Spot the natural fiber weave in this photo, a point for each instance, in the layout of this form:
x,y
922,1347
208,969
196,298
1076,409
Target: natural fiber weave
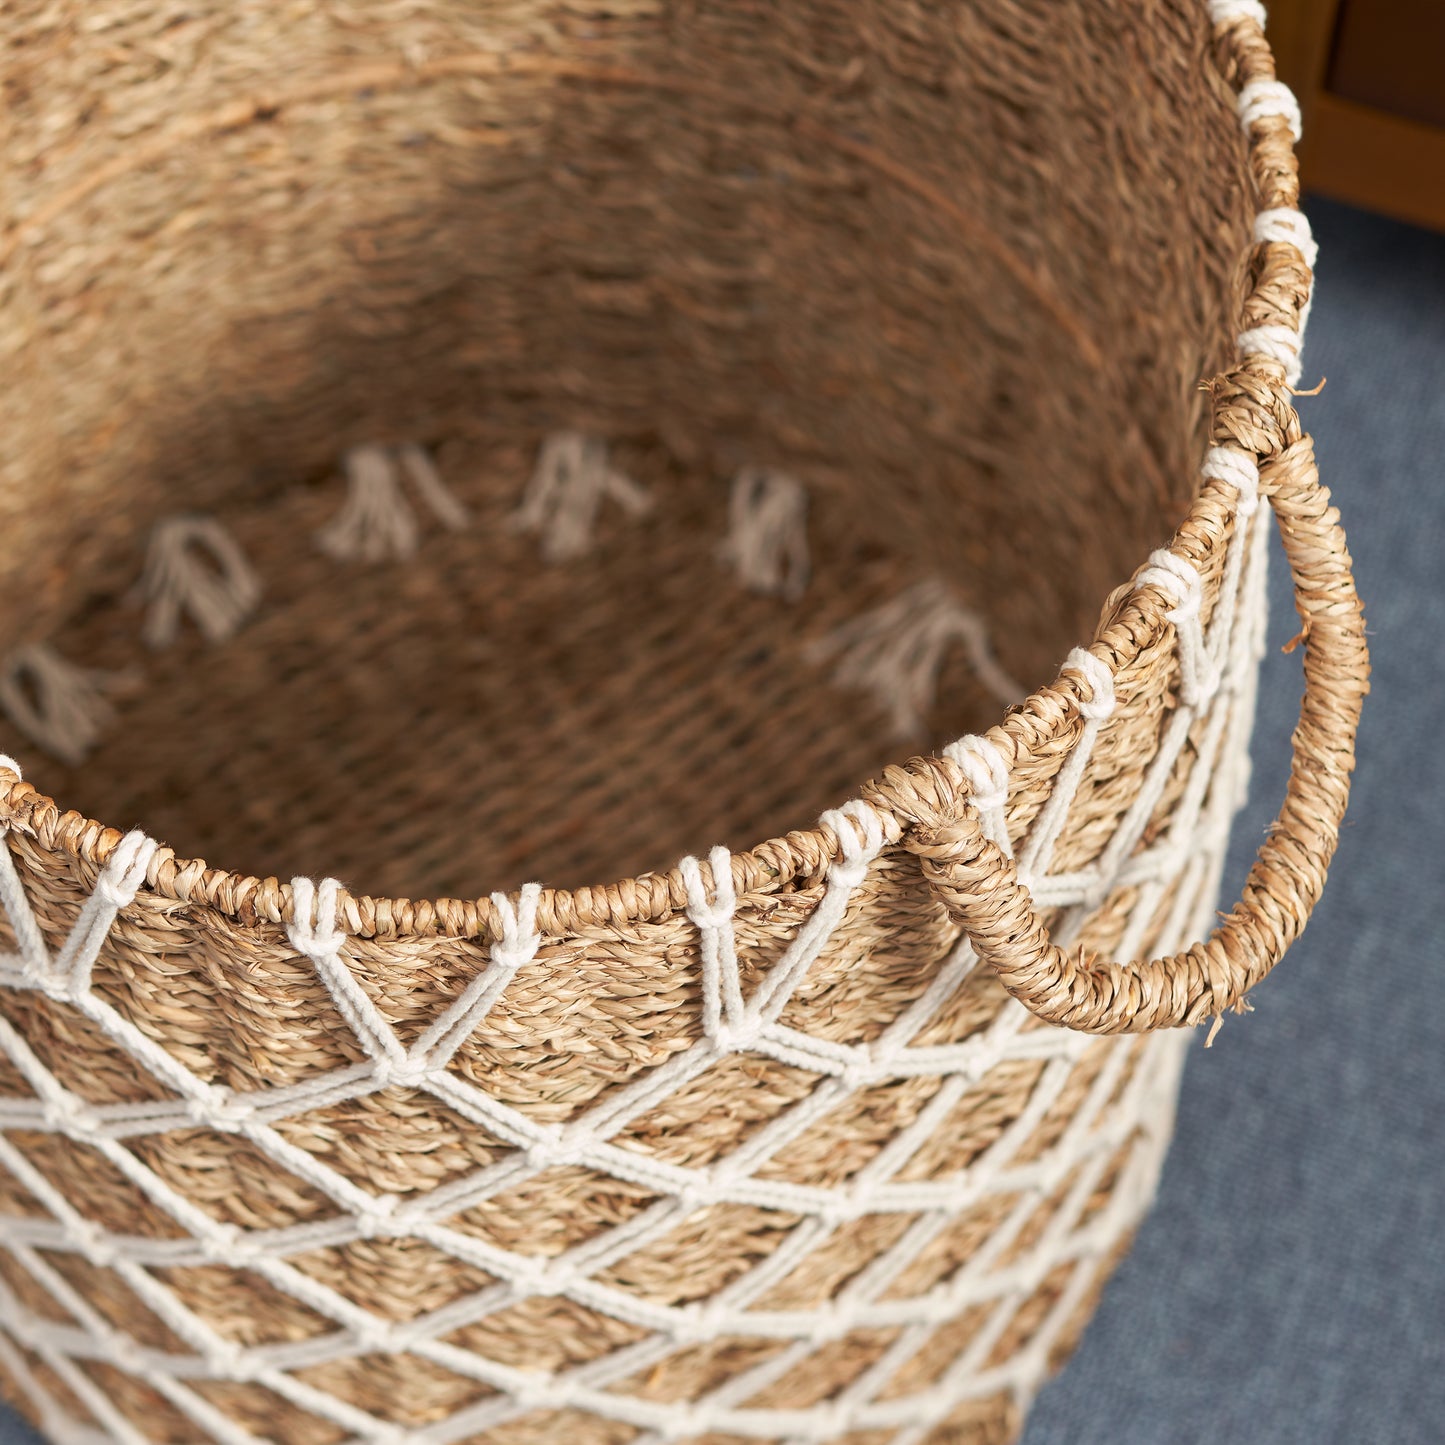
x,y
756,1147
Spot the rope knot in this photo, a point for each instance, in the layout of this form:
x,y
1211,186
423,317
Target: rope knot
x,y
861,1071
548,1151
225,1244
94,1243
72,1117
375,1337
226,1360
377,1219
407,1072
218,1108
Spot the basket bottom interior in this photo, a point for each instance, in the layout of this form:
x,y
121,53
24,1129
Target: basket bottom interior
x,y
474,716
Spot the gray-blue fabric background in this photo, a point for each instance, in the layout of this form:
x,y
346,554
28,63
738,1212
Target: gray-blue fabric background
x,y
1289,1287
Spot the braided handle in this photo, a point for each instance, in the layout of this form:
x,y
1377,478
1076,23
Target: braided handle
x,y
978,885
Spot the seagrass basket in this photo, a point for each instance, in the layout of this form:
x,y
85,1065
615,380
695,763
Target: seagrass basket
x,y
446,446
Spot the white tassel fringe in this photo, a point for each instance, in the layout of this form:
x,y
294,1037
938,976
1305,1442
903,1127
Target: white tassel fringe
x,y
219,590
60,707
767,541
560,504
897,650
376,523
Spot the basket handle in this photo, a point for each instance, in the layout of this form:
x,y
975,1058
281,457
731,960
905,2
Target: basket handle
x,y
978,885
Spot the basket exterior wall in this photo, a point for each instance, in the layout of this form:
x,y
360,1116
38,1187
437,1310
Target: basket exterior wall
x,y
223,1211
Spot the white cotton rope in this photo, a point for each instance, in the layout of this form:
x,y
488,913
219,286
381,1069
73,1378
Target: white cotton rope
x,y
1240,471
986,772
1268,99
1198,676
1036,855
1226,12
1098,706
1284,224
733,1024
1277,343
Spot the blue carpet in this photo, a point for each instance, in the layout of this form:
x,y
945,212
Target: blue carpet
x,y
1289,1287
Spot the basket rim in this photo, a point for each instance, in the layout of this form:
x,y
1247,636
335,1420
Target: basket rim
x,y
904,794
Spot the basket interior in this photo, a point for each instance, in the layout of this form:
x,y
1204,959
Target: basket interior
x,y
958,270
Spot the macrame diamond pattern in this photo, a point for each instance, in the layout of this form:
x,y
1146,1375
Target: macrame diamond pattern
x,y
1217,674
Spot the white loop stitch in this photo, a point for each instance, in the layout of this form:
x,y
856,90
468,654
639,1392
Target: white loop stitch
x,y
1198,676
1287,225
125,870
1100,704
986,772
1180,579
313,932
120,879
520,940
723,1012
312,929
1226,12
896,652
516,947
720,910
416,462
984,768
376,523
1279,344
860,839
1239,470
1263,99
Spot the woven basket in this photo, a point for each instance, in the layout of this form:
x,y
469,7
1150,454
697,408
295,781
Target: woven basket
x,y
447,443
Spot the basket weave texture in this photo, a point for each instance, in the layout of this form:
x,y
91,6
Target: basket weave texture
x,y
832,1138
